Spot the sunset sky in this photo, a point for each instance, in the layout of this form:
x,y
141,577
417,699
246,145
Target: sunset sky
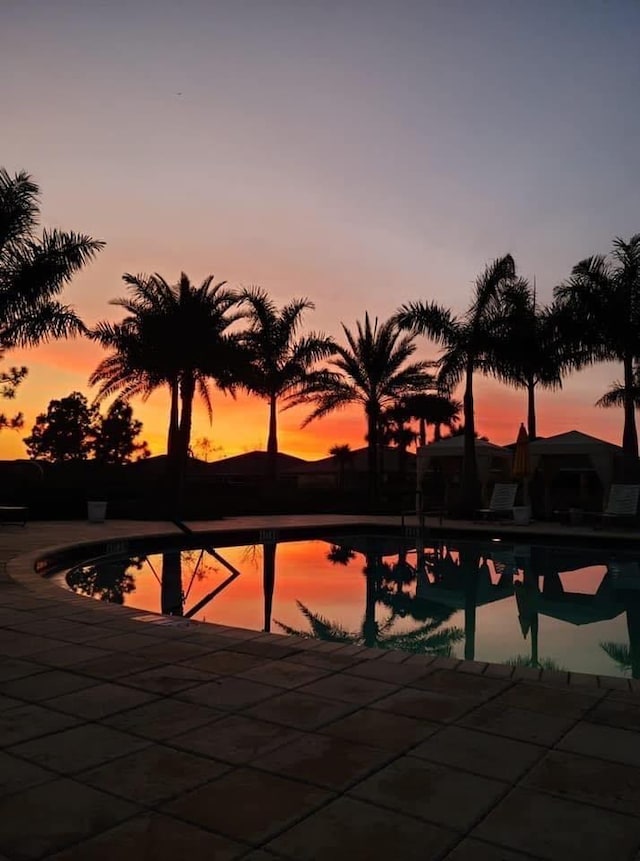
x,y
361,153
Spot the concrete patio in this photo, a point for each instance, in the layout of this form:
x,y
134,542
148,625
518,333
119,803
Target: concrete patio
x,y
139,738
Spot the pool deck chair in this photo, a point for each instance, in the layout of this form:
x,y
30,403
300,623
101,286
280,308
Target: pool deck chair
x,y
622,503
501,502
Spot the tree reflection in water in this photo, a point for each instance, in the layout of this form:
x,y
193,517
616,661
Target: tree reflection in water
x,y
430,637
109,581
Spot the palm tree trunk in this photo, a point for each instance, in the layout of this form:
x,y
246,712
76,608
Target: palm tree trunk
x,y
422,431
268,581
531,408
469,466
173,418
171,584
181,450
437,432
372,452
630,435
272,441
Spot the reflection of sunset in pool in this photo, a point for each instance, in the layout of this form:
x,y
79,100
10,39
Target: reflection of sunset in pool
x,y
550,606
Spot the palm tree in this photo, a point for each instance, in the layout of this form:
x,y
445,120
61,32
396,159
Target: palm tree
x,y
615,396
604,296
530,348
372,370
433,409
344,456
35,269
394,429
174,335
466,341
282,360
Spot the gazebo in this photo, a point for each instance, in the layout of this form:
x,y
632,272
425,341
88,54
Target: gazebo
x,y
578,454
446,457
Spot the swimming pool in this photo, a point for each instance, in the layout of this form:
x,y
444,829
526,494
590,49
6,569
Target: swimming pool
x,y
570,608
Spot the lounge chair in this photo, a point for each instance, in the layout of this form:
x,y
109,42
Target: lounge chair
x,y
622,503
501,502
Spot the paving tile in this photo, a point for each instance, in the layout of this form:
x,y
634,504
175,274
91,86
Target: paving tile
x,y
162,719
173,651
550,700
381,729
284,674
328,761
15,668
71,655
15,645
425,705
153,837
30,721
477,850
229,693
63,629
226,663
236,739
261,855
299,710
323,661
271,651
54,815
350,689
397,674
556,829
113,665
248,805
624,714
479,752
517,723
43,686
100,700
9,703
583,778
442,795
168,678
348,829
153,774
76,749
499,671
124,642
16,774
617,745
459,684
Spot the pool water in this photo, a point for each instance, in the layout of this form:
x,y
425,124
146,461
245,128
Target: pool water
x,y
558,607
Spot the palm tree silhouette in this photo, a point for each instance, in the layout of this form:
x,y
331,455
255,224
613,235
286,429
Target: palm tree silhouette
x,y
615,395
373,370
530,349
281,359
604,296
173,335
433,409
34,270
343,456
466,341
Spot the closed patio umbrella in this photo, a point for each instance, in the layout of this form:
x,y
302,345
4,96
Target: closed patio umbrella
x,y
521,467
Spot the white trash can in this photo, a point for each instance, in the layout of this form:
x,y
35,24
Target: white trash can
x,y
521,515
96,511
